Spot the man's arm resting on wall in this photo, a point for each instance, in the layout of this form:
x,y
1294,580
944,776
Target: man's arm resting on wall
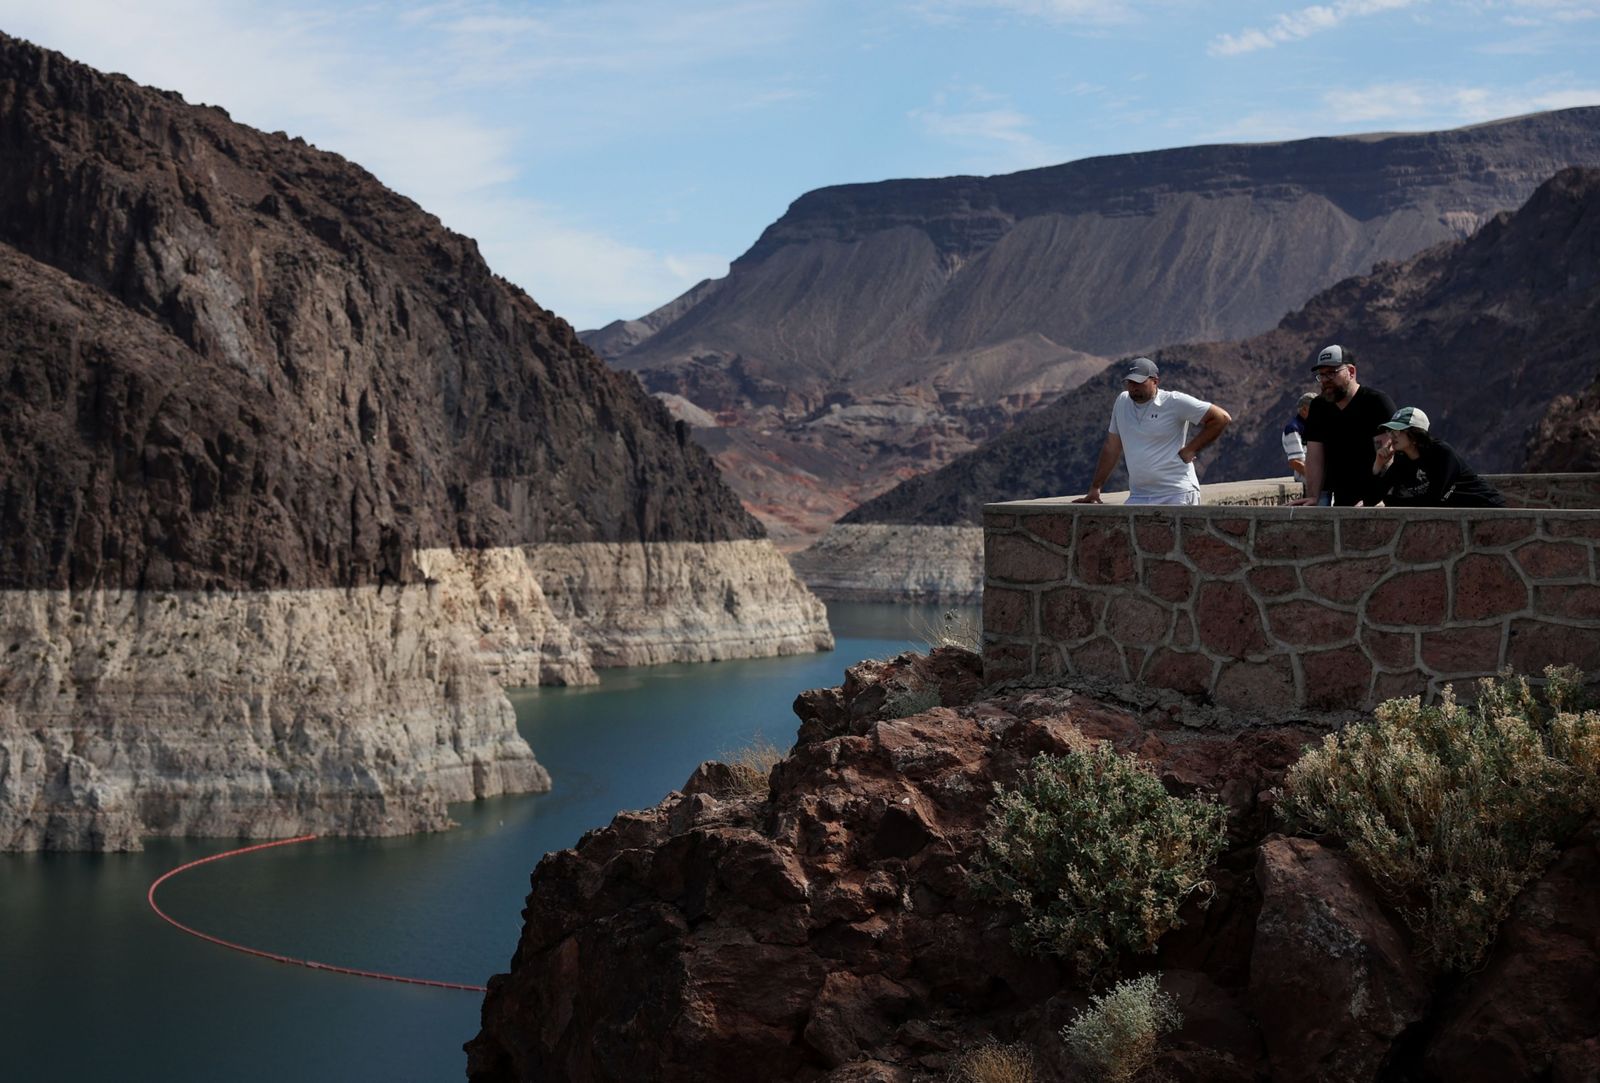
x,y
1313,473
1110,453
1211,427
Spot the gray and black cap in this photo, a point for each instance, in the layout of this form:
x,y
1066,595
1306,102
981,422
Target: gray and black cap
x,y
1333,357
1141,369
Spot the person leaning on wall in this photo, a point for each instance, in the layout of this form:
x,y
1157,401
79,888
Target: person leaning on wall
x,y
1413,470
1339,430
1294,435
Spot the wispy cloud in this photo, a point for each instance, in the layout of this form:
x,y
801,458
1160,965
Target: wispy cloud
x,y
1297,25
995,136
434,99
1405,106
584,275
1428,104
1083,12
1544,12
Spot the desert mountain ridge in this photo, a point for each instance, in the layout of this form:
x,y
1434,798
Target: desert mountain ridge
x,y
1484,334
875,331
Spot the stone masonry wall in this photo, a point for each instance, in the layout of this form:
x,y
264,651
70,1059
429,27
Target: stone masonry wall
x,y
1548,490
1267,608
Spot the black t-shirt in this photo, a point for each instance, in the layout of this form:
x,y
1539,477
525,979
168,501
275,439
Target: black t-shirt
x,y
1346,439
1436,478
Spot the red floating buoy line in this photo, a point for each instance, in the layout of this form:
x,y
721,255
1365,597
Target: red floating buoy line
x,y
309,964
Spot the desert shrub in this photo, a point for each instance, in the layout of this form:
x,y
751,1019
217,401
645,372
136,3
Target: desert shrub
x,y
1452,809
994,1062
910,699
1096,854
1115,1038
752,765
953,628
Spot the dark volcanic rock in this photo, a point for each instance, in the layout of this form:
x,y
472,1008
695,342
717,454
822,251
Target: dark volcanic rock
x,y
1567,438
826,929
877,330
1533,1012
230,359
1332,980
1482,335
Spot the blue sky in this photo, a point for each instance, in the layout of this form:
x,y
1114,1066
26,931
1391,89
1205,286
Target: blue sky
x,y
608,154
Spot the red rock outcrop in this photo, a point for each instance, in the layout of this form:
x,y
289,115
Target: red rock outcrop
x,y
1533,1012
826,925
1332,982
823,929
1567,438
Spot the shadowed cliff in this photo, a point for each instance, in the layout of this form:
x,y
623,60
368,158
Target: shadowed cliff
x,y
231,359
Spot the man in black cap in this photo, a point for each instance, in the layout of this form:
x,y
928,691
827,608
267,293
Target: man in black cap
x,y
1339,431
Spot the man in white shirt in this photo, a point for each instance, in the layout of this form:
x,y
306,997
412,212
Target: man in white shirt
x,y
1151,428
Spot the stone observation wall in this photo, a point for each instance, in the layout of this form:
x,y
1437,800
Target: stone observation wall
x,y
1264,608
1548,490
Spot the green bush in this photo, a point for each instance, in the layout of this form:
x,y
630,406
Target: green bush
x,y
1453,809
1116,1036
1098,856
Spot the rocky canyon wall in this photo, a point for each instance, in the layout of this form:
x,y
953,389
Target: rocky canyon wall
x,y
275,449
126,713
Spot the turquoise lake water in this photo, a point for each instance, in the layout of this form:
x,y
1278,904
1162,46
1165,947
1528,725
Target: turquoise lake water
x,y
93,986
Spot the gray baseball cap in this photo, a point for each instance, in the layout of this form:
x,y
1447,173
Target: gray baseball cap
x,y
1333,356
1141,370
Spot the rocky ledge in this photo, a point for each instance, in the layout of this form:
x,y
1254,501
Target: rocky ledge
x,y
824,929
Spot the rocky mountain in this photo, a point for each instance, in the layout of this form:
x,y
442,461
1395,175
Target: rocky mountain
x,y
1482,334
823,927
1567,438
875,331
289,479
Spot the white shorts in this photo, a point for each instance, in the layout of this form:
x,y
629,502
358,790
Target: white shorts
x,y
1190,497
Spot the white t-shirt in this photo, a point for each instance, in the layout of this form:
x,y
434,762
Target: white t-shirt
x,y
1151,435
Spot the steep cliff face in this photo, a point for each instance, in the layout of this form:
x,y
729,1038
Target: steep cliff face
x,y
343,379
1482,334
939,310
235,368
825,929
1567,438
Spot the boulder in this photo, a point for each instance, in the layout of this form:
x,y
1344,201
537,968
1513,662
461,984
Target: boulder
x,y
1332,982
